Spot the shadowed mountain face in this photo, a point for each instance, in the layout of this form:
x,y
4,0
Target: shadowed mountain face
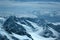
x,y
11,26
27,26
3,37
56,27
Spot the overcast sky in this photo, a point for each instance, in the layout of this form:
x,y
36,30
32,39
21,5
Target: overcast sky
x,y
16,7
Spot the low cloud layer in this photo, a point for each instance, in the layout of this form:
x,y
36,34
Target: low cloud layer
x,y
12,7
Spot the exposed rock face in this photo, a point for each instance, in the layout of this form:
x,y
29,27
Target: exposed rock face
x,y
3,37
15,25
56,27
11,26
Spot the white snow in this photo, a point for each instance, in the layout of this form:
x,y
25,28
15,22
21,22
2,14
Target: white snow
x,y
25,26
58,23
54,32
37,37
1,18
20,37
35,34
4,33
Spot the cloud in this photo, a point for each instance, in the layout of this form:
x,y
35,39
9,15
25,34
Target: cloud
x,y
13,7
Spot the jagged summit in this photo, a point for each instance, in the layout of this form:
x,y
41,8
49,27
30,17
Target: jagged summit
x,y
31,27
11,26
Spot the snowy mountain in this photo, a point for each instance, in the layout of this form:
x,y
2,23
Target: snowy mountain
x,y
2,19
25,28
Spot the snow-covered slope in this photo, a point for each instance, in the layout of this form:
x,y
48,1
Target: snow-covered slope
x,y
2,19
15,28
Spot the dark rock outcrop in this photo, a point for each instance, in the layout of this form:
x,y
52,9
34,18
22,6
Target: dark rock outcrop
x,y
3,37
11,26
